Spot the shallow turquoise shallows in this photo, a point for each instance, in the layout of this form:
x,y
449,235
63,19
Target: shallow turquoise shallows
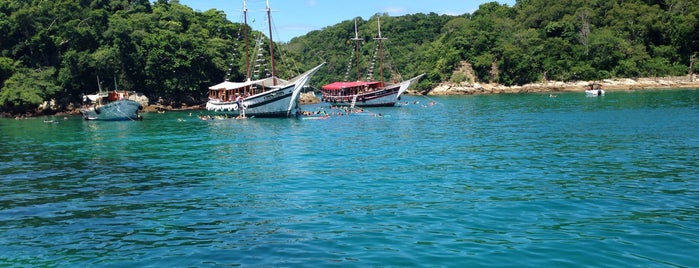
x,y
493,180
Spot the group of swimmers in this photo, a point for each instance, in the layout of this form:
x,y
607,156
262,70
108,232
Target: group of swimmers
x,y
321,113
207,117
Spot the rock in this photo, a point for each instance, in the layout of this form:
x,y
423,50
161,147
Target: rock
x,y
49,105
448,88
140,98
308,98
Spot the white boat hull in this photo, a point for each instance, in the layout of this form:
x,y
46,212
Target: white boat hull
x,y
281,101
594,92
113,111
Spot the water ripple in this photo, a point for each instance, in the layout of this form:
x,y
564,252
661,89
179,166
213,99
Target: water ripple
x,y
510,180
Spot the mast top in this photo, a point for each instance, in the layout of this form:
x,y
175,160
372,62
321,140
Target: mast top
x,y
356,35
378,19
271,44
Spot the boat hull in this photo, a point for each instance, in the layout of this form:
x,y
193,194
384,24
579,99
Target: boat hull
x,y
280,101
113,111
384,96
387,96
594,92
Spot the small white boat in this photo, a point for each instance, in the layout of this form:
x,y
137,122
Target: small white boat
x,y
594,90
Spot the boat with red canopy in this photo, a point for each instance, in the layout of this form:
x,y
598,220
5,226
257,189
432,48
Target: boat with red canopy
x,y
366,93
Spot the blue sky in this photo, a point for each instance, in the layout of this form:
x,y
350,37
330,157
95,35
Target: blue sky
x,y
291,18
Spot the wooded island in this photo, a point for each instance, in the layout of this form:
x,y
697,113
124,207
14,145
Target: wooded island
x,y
54,50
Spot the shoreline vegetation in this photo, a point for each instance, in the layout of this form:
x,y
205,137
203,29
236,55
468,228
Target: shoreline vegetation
x,y
51,53
454,89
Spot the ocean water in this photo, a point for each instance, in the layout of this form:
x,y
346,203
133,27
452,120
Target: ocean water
x,y
495,180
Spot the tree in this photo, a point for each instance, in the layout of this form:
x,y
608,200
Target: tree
x,y
26,89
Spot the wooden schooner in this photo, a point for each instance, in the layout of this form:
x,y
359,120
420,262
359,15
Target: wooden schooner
x,y
266,97
366,93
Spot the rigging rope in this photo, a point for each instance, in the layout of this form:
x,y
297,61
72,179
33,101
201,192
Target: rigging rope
x,y
370,71
235,51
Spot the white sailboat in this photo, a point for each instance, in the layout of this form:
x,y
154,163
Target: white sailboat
x,y
366,93
268,97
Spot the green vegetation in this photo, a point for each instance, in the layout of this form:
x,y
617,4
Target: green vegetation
x,y
534,40
56,49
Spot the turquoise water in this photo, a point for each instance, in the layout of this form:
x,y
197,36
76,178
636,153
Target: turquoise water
x,y
494,180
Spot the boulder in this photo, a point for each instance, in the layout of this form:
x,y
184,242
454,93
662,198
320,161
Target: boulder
x,y
308,98
140,98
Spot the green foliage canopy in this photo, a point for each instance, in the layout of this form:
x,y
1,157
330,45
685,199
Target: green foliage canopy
x,y
55,49
533,40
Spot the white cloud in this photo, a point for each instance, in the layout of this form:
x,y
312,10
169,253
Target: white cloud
x,y
395,11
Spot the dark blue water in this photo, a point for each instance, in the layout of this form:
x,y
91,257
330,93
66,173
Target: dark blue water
x,y
495,180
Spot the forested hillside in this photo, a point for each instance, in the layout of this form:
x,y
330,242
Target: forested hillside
x,y
56,49
532,41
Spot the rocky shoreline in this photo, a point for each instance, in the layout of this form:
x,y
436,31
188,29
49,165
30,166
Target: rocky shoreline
x,y
445,89
625,84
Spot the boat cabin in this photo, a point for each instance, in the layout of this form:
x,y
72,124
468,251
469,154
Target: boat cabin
x,y
342,90
105,97
226,91
116,95
229,94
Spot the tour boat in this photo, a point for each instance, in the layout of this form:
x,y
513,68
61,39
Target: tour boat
x,y
366,93
267,97
110,106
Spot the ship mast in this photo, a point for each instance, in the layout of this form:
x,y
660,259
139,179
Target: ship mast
x,y
356,49
379,39
271,44
245,33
